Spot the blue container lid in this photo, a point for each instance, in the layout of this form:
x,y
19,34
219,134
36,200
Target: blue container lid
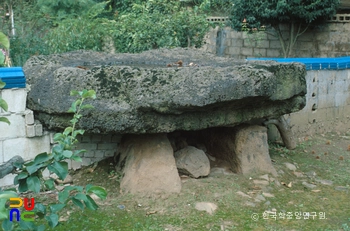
x,y
13,77
315,63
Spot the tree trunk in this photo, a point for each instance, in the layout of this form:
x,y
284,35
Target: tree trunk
x,y
285,131
8,167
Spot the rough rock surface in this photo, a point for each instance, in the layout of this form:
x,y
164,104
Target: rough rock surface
x,y
137,93
192,161
150,165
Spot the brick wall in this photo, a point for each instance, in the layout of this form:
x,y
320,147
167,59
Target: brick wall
x,y
330,40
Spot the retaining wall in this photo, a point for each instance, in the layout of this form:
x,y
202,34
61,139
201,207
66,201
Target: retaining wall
x,y
330,40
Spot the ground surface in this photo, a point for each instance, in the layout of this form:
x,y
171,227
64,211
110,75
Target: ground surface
x,y
253,202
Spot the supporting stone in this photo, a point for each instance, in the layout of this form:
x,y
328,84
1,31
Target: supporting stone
x,y
150,165
192,161
245,147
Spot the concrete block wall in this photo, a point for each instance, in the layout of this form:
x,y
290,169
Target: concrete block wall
x,y
326,41
327,106
25,136
98,147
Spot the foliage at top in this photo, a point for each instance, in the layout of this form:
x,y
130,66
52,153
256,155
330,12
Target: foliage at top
x,y
298,14
56,26
272,13
4,50
3,105
64,8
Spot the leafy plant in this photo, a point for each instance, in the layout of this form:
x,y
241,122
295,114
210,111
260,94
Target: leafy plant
x,y
3,104
30,174
4,50
296,14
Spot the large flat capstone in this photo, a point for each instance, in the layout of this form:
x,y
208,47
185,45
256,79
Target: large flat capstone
x,y
138,93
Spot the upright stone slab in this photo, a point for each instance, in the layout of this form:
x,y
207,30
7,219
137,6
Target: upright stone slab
x,y
245,147
252,150
150,165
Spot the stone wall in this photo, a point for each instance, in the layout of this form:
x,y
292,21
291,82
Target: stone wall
x,y
25,136
329,40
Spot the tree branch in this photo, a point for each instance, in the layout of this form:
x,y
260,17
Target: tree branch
x,y
8,167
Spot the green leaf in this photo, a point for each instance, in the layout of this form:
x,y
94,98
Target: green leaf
x,y
2,58
33,183
97,190
58,136
74,93
7,225
40,228
5,120
87,106
91,94
3,104
7,194
73,107
20,176
52,219
57,150
26,225
4,41
42,157
33,168
67,131
78,203
63,196
2,84
67,153
90,203
50,184
60,168
56,207
40,208
22,187
76,132
76,158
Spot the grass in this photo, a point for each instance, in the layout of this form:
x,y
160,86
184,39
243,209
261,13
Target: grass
x,y
326,156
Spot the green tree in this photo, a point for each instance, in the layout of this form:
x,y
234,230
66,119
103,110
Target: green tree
x,y
61,9
299,15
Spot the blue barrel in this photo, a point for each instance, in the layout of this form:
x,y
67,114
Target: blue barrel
x,y
13,77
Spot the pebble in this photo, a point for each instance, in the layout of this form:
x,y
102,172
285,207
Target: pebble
x,y
268,194
260,198
325,182
310,186
290,166
261,182
251,204
341,188
206,206
264,177
243,194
